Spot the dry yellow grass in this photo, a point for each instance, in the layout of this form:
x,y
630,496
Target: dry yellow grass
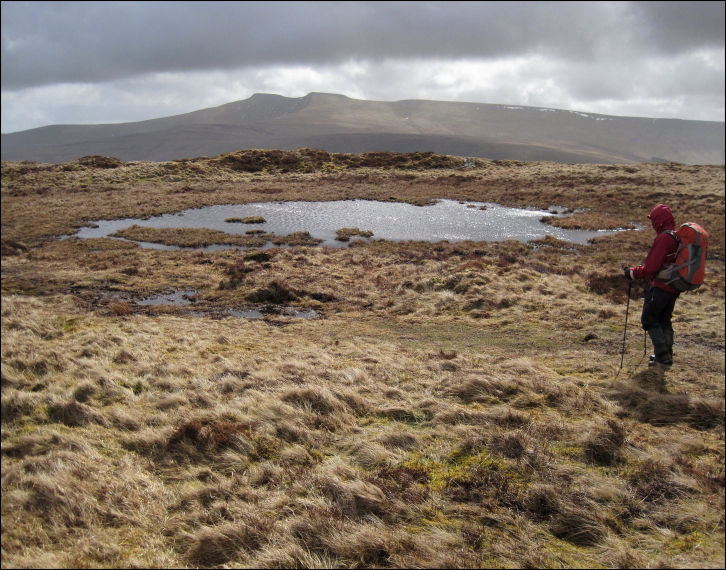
x,y
455,405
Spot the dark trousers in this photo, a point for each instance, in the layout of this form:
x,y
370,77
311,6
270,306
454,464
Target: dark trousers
x,y
657,315
658,309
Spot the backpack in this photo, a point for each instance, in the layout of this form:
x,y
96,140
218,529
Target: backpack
x,y
686,272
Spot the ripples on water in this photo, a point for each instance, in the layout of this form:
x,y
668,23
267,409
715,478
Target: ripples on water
x,y
445,220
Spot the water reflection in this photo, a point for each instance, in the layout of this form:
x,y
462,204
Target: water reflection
x,y
448,220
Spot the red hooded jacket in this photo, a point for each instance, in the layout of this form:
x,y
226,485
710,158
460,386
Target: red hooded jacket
x,y
662,251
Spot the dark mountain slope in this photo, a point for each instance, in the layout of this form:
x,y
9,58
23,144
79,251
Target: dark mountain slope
x,y
340,124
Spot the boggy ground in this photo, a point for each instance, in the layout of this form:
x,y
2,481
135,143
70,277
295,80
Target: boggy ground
x,y
455,405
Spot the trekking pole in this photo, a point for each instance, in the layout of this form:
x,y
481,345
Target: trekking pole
x,y
625,329
645,350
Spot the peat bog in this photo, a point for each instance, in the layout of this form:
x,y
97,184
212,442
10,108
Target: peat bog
x,y
453,404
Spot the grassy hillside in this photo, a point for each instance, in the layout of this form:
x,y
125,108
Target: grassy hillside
x,y
454,405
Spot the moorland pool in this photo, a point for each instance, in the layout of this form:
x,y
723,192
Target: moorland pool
x,y
187,298
448,220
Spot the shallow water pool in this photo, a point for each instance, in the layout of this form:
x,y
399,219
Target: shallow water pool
x,y
448,220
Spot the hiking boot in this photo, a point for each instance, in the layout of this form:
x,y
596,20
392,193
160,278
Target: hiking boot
x,y
663,354
665,358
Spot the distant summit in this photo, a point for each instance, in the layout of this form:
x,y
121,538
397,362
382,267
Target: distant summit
x,y
337,123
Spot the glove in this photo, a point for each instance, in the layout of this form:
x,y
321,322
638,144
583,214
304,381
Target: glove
x,y
627,273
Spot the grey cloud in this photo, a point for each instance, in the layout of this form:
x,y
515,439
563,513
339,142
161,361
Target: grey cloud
x,y
54,42
633,90
680,26
653,77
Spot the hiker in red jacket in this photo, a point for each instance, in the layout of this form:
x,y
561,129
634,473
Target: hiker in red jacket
x,y
660,298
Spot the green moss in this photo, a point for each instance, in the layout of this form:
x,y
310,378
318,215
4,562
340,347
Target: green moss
x,y
439,520
66,324
566,555
28,428
440,473
318,456
688,543
39,413
567,450
458,465
330,167
529,401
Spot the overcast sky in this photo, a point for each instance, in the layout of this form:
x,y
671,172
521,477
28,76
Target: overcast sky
x,y
109,62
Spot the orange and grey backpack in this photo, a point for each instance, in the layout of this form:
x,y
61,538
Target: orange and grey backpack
x,y
686,272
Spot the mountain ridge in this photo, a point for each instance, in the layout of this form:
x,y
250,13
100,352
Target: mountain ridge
x,y
338,123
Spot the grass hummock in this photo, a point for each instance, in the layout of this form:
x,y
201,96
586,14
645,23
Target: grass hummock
x,y
247,220
344,234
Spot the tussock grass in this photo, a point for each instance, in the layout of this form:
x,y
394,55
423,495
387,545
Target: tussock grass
x,y
455,405
660,408
605,446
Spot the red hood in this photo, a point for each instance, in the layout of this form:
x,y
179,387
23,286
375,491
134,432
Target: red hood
x,y
662,218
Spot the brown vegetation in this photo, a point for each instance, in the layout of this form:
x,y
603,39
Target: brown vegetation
x,y
455,406
588,221
203,237
344,234
247,220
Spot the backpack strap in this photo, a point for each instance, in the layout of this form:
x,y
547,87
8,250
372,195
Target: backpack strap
x,y
673,255
672,234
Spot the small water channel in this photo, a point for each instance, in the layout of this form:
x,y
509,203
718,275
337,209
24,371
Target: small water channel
x,y
395,221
